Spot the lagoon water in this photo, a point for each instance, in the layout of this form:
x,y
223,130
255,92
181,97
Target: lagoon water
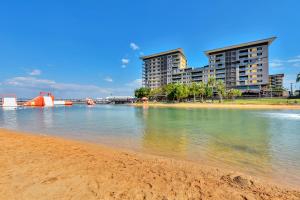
x,y
257,142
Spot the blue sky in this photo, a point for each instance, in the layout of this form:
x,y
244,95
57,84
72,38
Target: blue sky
x,y
92,48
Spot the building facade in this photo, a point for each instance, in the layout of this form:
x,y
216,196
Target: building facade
x,y
276,80
158,68
189,75
244,66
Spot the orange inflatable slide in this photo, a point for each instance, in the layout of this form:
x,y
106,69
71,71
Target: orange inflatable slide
x,y
46,99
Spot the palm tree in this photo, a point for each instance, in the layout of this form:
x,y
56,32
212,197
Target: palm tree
x,y
220,88
201,90
233,93
298,80
211,83
194,90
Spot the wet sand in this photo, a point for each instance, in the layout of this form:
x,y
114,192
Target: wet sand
x,y
44,167
218,105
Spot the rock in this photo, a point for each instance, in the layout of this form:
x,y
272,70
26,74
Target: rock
x,y
241,181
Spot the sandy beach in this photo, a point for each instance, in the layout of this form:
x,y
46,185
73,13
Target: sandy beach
x,y
217,105
44,167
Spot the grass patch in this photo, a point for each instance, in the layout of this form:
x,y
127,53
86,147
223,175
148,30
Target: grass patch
x,y
264,101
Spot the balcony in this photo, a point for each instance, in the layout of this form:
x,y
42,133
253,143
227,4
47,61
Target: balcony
x,y
220,71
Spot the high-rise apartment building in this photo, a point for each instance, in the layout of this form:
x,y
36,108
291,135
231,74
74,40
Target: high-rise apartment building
x,y
244,66
158,68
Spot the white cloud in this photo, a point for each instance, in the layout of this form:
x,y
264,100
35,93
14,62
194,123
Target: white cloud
x,y
137,83
125,61
294,60
277,63
108,79
296,64
67,90
134,46
30,86
141,53
35,72
28,82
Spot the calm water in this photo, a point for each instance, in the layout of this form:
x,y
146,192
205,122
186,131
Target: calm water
x,y
257,142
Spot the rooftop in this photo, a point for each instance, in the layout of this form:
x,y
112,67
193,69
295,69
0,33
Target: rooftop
x,y
273,75
180,50
268,40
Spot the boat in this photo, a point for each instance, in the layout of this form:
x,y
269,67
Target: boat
x,y
90,102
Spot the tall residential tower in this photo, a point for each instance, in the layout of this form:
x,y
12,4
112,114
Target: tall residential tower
x,y
158,68
244,66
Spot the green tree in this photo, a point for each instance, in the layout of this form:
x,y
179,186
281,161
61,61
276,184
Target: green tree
x,y
181,91
211,83
298,78
154,93
194,90
220,88
201,90
142,92
169,90
233,93
208,91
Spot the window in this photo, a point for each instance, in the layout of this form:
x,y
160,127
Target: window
x,y
244,56
243,51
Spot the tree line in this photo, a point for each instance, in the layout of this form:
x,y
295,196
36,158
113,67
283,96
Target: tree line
x,y
181,92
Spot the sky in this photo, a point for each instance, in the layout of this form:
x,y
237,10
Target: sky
x,y
86,48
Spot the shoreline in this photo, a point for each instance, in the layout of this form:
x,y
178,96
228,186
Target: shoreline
x,y
47,167
218,106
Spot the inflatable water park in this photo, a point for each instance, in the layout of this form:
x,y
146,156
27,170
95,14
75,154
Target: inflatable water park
x,y
44,99
47,99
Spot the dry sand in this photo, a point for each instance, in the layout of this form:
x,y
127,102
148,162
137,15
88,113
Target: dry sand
x,y
43,167
211,105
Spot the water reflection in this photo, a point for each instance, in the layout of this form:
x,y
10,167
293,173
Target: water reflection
x,y
232,137
159,136
241,140
9,116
